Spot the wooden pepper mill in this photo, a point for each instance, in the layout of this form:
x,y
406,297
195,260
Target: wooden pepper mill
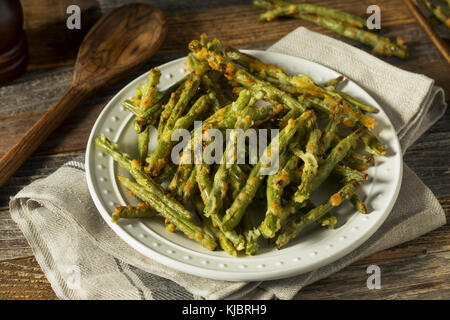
x,y
13,42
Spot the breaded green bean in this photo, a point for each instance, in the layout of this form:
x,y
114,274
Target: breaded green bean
x,y
159,157
190,88
295,227
149,93
299,84
346,174
220,183
224,242
358,204
279,8
167,110
142,210
358,103
189,186
221,63
137,171
328,220
358,161
275,187
340,22
143,139
251,235
335,156
372,144
332,84
329,132
234,214
186,226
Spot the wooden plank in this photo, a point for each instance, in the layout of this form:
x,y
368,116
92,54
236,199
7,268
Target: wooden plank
x,y
424,277
50,42
437,241
12,242
34,168
72,135
59,45
23,279
412,278
441,44
38,90
241,25
45,87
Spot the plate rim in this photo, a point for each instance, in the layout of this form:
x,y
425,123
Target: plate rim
x,y
234,275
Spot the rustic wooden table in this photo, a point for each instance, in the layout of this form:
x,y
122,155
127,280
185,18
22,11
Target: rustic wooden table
x,y
419,269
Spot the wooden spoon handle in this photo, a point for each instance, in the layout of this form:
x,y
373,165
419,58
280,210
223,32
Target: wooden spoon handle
x,y
20,152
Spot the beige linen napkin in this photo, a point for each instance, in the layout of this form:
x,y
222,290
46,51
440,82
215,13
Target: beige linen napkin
x,y
84,259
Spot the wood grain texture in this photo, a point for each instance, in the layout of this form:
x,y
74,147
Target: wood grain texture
x,y
23,279
118,44
39,132
50,42
417,269
43,87
423,277
441,44
187,21
34,168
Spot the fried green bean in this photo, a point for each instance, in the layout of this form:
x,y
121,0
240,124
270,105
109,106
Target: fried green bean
x,y
358,103
329,132
358,161
275,187
342,24
295,227
312,95
224,242
335,156
234,214
251,235
143,139
328,220
358,204
232,72
299,84
149,93
187,227
380,45
284,8
220,183
346,174
137,171
142,210
372,144
159,157
332,84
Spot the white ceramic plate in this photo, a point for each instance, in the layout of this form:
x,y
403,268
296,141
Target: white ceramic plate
x,y
313,249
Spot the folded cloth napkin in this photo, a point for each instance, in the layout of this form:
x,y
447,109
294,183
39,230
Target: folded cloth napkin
x,y
84,259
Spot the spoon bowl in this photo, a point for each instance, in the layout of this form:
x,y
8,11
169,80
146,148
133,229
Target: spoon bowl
x,y
119,43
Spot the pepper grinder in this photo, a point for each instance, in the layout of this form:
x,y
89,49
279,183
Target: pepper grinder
x,y
13,41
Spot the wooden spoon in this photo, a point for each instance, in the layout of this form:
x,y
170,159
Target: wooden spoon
x,y
117,45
